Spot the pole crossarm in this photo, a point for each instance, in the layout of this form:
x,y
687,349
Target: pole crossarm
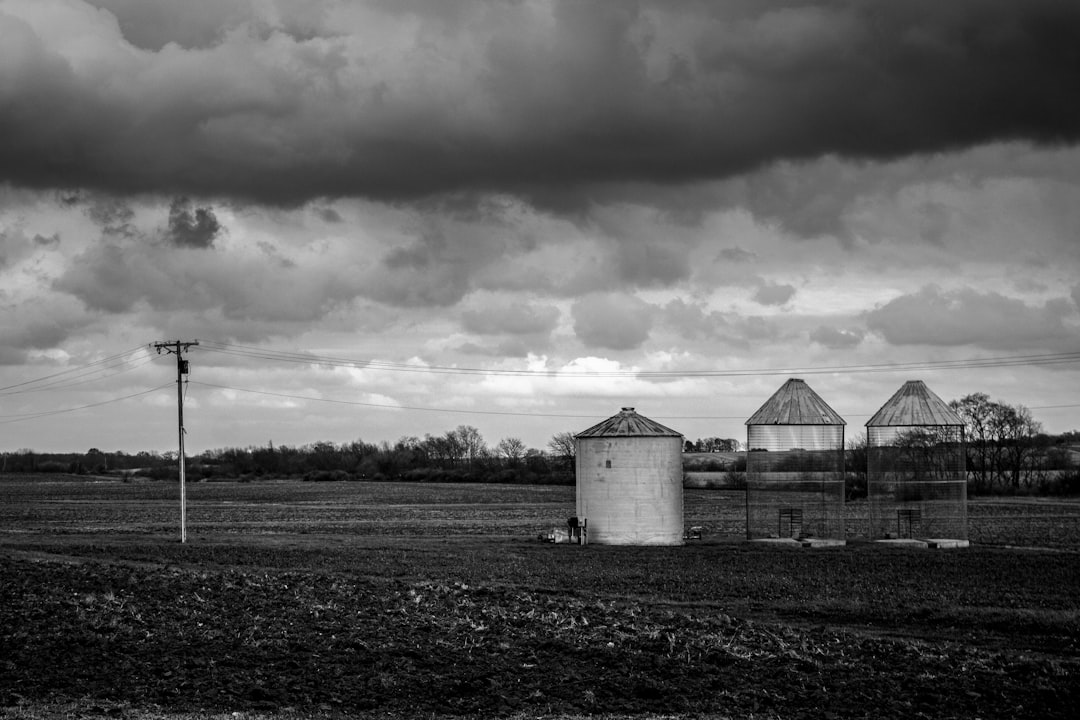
x,y
178,348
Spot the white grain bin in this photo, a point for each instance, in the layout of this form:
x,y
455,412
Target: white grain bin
x,y
630,481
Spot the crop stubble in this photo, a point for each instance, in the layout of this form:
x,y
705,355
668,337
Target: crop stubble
x,y
402,600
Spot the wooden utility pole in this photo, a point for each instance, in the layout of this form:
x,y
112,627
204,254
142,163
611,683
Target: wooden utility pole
x,y
177,348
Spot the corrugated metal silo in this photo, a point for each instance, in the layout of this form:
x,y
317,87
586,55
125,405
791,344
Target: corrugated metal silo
x,y
916,480
630,481
795,467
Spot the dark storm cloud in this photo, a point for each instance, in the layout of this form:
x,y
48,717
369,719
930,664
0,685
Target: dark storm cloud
x,y
151,24
547,100
191,227
329,215
112,215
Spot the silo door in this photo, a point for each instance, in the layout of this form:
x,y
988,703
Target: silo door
x,y
790,523
908,522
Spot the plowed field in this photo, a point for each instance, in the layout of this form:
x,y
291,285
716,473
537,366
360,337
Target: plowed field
x,y
395,601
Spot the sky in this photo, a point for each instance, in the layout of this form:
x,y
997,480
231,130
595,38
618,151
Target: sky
x,y
391,218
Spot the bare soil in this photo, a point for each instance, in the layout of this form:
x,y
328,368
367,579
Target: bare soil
x,y
293,600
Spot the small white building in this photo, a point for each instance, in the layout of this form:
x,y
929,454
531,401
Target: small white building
x,y
630,481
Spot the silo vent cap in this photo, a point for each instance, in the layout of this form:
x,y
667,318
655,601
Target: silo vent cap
x,y
628,409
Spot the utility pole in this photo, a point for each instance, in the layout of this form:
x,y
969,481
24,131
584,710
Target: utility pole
x,y
177,348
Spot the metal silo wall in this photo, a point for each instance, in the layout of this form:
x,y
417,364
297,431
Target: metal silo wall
x,y
795,481
630,490
916,482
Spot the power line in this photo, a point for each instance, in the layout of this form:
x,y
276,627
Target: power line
x,y
90,376
368,364
61,377
33,416
384,405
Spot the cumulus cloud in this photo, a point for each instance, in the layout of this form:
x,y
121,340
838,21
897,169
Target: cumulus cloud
x,y
511,318
141,277
736,255
427,273
692,321
16,247
612,321
257,101
836,338
37,325
933,316
770,293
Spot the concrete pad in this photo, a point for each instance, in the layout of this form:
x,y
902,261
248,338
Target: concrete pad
x,y
903,542
778,541
822,542
946,543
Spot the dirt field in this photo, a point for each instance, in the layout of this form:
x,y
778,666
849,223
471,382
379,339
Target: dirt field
x,y
391,601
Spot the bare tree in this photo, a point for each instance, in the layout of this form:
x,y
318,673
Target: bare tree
x,y
1015,430
471,443
564,447
976,410
511,448
1001,441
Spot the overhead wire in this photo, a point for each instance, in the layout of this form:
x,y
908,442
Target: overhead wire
x,y
45,413
96,371
83,379
371,364
86,374
58,379
387,406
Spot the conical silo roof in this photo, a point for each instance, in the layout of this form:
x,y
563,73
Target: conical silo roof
x,y
628,424
795,403
914,405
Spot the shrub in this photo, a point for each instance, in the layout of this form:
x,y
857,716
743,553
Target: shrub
x,y
327,476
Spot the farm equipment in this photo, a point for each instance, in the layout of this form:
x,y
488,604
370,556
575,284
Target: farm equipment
x,y
576,532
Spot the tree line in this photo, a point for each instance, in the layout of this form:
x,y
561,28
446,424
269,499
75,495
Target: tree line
x,y
1006,452
459,455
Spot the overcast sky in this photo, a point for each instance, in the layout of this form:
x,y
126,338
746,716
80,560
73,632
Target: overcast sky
x,y
394,217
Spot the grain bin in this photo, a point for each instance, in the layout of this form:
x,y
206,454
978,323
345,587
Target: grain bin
x,y
630,481
916,481
795,467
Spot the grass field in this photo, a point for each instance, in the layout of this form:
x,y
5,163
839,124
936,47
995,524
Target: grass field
x,y
393,600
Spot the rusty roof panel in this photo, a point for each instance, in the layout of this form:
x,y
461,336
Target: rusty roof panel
x,y
795,403
628,424
914,405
